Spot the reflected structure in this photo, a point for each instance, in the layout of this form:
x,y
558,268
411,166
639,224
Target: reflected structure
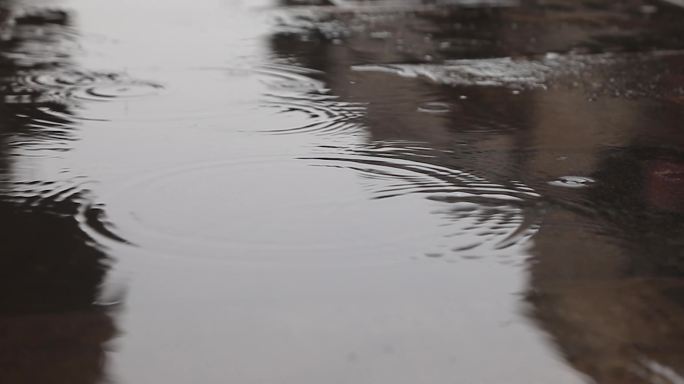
x,y
608,284
51,328
535,93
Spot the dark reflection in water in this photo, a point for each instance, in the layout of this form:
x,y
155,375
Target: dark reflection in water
x,y
51,328
582,101
611,296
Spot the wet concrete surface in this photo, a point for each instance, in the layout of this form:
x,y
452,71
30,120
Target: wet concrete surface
x,y
342,191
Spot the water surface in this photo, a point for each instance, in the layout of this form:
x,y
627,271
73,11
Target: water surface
x,y
345,191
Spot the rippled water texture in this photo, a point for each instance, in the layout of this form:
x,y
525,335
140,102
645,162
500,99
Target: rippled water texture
x,y
303,191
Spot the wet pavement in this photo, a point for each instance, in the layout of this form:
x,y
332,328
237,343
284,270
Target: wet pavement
x,y
342,191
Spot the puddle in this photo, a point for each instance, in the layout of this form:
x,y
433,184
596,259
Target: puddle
x,y
358,191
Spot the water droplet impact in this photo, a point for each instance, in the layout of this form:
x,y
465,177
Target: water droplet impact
x,y
295,90
116,91
434,107
573,182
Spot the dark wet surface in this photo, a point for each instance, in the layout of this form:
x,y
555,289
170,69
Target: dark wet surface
x,y
345,191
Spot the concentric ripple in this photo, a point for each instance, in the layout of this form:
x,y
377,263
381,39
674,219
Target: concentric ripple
x,y
69,199
440,183
499,215
63,198
294,90
39,129
68,86
350,208
313,213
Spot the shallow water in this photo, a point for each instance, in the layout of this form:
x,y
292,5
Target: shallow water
x,y
349,192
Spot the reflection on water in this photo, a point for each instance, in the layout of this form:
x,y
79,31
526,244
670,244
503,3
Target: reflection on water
x,y
612,299
53,327
590,109
355,191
